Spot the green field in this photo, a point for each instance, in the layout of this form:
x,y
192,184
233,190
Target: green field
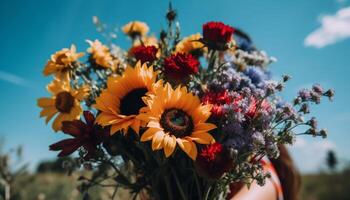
x,y
60,186
335,186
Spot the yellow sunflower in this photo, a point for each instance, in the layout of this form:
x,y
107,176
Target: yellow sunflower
x,y
62,62
135,28
176,117
65,102
147,41
100,54
190,44
121,101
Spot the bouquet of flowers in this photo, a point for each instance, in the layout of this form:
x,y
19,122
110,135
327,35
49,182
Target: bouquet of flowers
x,y
172,117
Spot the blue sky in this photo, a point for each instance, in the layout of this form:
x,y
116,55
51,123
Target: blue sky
x,y
309,39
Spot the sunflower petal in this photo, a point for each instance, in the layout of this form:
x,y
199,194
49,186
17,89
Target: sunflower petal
x,y
57,123
50,68
45,102
136,125
49,117
202,137
188,147
149,134
57,86
82,92
204,127
157,140
169,145
154,124
105,119
47,111
201,114
193,152
115,128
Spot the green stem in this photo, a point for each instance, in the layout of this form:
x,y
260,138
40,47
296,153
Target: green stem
x,y
168,187
206,196
183,196
197,185
212,60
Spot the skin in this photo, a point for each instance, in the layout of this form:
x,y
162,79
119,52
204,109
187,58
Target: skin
x,y
266,192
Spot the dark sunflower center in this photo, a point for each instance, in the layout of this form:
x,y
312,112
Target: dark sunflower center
x,y
59,59
134,34
176,122
64,102
131,103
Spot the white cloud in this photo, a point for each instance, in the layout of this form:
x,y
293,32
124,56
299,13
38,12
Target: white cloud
x,y
333,28
14,79
310,156
341,1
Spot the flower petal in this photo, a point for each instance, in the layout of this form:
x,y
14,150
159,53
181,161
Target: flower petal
x,y
89,118
202,137
57,123
68,146
74,128
169,145
136,125
154,124
148,134
204,127
157,140
45,102
82,92
188,147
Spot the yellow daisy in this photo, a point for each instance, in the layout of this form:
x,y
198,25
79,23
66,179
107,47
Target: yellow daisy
x,y
62,62
190,44
176,117
65,102
121,101
100,54
135,28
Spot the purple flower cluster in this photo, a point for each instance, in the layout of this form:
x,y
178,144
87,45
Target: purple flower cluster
x,y
257,119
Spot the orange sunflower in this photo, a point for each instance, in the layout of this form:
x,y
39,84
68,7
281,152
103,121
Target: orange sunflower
x,y
100,54
65,102
135,28
62,62
120,103
147,41
176,117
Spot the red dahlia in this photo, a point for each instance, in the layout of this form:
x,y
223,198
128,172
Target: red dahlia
x,y
217,34
213,161
144,53
180,65
87,135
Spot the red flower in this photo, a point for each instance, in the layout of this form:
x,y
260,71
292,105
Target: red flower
x,y
218,100
210,152
87,135
144,53
221,99
213,161
216,35
179,66
253,107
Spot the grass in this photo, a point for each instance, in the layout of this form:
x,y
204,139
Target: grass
x,y
335,186
57,186
43,186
